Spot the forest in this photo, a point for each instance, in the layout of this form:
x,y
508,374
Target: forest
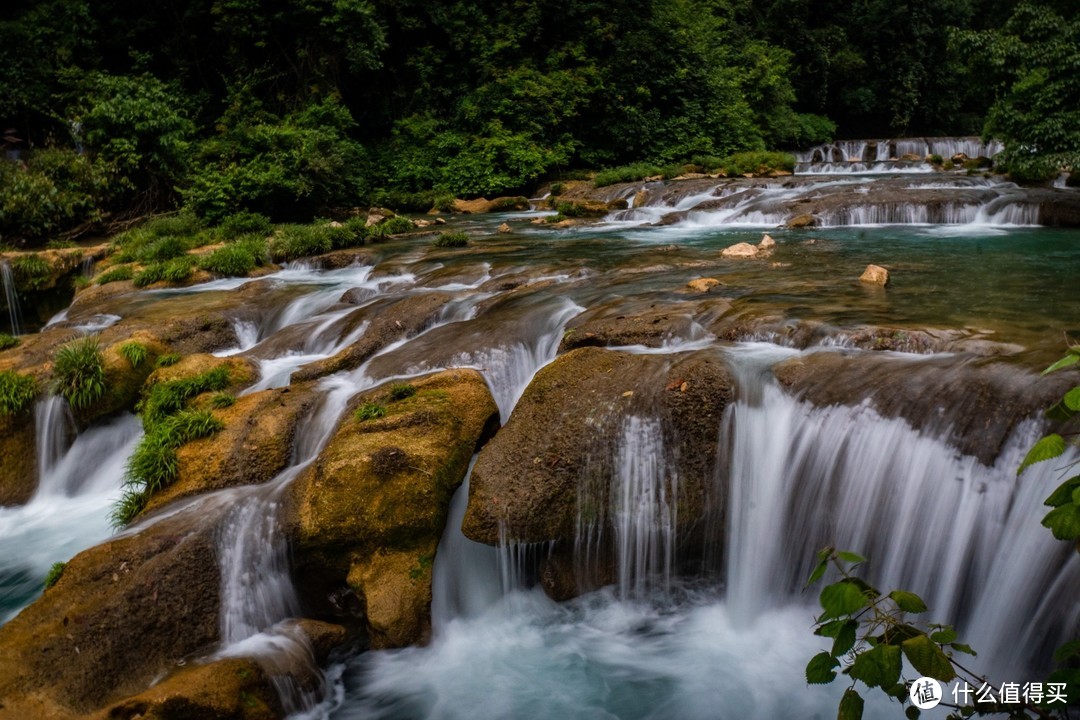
x,y
118,109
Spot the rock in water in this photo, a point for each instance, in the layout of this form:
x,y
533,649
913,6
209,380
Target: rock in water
x,y
504,228
702,284
767,243
365,519
740,250
875,275
802,221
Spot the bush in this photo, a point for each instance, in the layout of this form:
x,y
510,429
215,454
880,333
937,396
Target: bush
x,y
167,398
7,341
292,242
370,411
451,240
401,391
182,224
55,190
79,373
758,163
233,260
626,173
54,574
134,352
17,392
244,223
115,274
31,270
391,226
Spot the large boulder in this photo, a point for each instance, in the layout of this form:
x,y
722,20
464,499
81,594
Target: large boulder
x,y
18,458
365,519
553,466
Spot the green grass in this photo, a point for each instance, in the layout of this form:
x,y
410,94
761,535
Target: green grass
x,y
31,269
8,341
451,240
759,163
390,226
134,352
626,173
54,574
115,274
400,391
17,392
569,209
222,400
370,411
168,359
244,223
79,373
162,249
292,242
234,260
154,464
167,398
176,270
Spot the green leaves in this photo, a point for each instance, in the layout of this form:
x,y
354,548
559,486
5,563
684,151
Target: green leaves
x,y
851,706
819,671
1049,447
1069,360
841,599
927,658
1064,521
878,667
907,601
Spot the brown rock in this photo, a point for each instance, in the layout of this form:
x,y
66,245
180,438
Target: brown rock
x,y
703,285
504,228
362,523
18,458
802,221
875,275
767,243
740,250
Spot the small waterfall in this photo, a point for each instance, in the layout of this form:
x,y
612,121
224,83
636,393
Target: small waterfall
x,y
53,426
11,297
886,156
964,536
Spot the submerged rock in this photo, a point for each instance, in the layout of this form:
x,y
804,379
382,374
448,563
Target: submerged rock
x,y
366,517
875,275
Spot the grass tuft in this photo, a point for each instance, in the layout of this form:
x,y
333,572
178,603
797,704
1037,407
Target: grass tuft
x,y
451,240
370,411
167,398
222,400
168,359
134,352
17,392
7,341
79,373
400,391
115,274
54,574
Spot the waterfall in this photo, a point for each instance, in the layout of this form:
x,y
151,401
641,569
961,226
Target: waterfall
x,y
884,156
963,535
53,425
11,297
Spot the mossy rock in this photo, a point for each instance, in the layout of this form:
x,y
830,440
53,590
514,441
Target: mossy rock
x,y
367,521
18,458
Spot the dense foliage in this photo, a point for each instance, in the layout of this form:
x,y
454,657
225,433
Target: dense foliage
x,y
290,110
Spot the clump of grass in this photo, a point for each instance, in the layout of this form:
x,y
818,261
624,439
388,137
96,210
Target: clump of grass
x,y
556,218
168,359
233,260
556,189
167,398
115,274
154,464
222,400
79,373
80,282
451,240
758,163
370,411
32,270
244,223
7,341
134,352
58,244
400,391
292,242
17,392
569,209
626,173
54,574
183,223
444,203
391,226
176,270
162,249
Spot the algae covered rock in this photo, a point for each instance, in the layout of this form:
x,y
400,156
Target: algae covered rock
x,y
367,515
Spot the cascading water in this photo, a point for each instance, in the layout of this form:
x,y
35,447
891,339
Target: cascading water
x,y
11,297
52,429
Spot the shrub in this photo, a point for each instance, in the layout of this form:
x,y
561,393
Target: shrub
x,y
759,162
936,159
17,392
53,191
79,373
626,173
451,240
292,242
400,391
7,341
54,574
370,411
168,359
244,223
391,226
31,270
166,398
556,189
134,352
114,274
233,260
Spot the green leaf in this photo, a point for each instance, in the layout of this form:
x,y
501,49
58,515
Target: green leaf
x,y
841,599
1064,493
1048,448
851,706
818,572
850,557
845,639
831,629
1072,399
961,647
943,636
908,601
1064,521
927,658
1071,359
819,671
879,667
912,712
1067,651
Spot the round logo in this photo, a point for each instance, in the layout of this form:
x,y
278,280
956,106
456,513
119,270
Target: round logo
x,y
925,693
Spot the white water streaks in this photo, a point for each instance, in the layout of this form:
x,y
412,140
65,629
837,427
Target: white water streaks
x,y
11,297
